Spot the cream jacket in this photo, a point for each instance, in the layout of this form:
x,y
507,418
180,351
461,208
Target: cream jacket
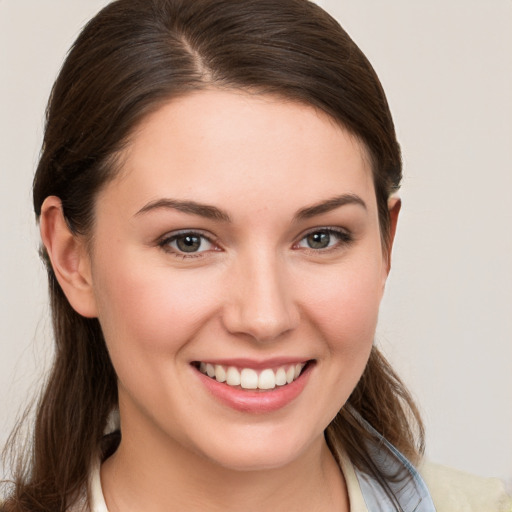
x,y
454,491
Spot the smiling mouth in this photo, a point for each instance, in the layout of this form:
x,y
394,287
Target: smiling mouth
x,y
251,379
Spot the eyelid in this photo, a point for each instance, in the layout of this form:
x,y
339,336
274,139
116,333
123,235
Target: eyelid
x,y
164,241
345,237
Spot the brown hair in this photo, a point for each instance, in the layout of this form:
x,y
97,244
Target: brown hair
x,y
129,59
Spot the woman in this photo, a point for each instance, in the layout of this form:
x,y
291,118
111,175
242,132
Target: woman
x,y
216,202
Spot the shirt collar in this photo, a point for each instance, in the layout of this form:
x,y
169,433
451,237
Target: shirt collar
x,y
401,487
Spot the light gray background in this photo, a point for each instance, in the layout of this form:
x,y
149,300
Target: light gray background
x,y
446,321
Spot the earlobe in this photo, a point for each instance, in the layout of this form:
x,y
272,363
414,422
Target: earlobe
x,y
69,258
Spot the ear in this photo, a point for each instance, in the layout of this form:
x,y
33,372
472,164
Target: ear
x,y
69,258
394,206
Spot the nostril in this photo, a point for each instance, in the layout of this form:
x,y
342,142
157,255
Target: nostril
x,y
260,324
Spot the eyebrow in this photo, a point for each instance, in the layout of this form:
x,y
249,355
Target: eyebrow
x,y
214,213
203,210
329,205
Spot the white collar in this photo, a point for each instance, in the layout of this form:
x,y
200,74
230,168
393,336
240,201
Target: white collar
x,y
95,491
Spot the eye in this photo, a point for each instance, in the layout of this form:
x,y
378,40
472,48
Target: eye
x,y
187,243
325,238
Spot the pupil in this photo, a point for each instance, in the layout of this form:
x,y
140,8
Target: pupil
x,y
319,240
188,243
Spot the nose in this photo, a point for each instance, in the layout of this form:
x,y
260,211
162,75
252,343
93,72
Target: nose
x,y
260,300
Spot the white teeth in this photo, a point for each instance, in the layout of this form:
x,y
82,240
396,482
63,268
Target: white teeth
x,y
233,376
249,378
267,380
281,377
210,370
220,373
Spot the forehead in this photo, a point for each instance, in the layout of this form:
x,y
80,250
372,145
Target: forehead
x,y
217,145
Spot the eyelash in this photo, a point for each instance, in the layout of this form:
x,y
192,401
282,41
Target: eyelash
x,y
344,238
167,240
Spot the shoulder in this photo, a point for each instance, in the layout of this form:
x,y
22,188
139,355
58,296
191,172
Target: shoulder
x,y
457,491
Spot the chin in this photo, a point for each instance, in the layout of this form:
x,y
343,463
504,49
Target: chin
x,y
258,451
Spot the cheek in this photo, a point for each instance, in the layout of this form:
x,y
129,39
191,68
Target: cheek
x,y
341,307
343,304
149,308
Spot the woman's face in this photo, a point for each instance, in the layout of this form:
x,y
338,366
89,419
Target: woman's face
x,y
240,239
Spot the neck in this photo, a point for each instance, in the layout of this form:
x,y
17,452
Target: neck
x,y
154,475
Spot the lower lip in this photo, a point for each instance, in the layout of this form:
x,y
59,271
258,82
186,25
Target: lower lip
x,y
250,401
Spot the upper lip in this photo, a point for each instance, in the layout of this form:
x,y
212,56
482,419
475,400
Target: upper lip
x,y
257,364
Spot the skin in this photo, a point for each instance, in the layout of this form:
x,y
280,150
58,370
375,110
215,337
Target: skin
x,y
257,290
